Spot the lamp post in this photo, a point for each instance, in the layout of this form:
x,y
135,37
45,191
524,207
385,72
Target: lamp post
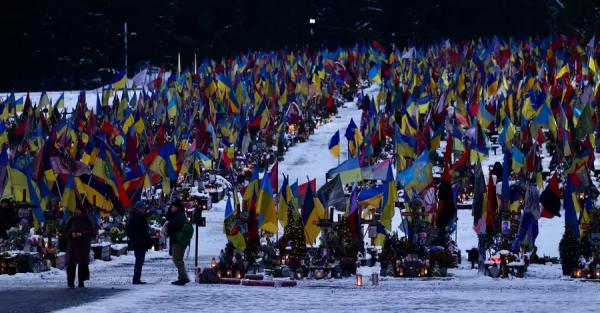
x,y
125,35
125,40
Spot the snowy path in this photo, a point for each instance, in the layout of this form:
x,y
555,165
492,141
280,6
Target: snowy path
x,y
465,293
542,291
312,158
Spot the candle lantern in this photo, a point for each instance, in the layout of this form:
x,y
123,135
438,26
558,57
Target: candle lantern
x,y
238,274
319,273
399,268
597,273
213,263
359,280
374,279
228,273
299,274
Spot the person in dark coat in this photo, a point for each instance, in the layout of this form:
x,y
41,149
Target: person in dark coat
x,y
175,220
78,232
138,232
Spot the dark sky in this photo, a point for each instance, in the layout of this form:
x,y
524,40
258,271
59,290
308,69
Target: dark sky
x,y
72,44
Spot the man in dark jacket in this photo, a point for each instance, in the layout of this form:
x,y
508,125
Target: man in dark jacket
x,y
175,220
138,232
79,232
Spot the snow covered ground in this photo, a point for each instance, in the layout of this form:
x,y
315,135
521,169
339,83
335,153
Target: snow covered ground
x,y
465,292
543,289
312,158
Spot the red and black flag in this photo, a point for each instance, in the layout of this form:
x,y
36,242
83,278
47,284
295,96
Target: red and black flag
x,y
550,198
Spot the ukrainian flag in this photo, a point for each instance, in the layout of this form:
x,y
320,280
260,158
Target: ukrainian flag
x,y
286,203
165,164
312,211
374,75
592,64
139,123
381,235
371,197
564,70
518,159
19,105
60,103
3,134
570,204
351,137
172,107
231,229
484,117
334,144
390,195
202,161
69,197
129,121
252,185
119,81
418,176
21,188
4,110
223,83
507,134
349,171
267,218
434,143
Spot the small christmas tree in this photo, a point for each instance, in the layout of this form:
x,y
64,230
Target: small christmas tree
x,y
569,251
294,233
345,246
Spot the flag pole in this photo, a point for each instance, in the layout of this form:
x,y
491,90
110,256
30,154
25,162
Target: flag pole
x,y
339,154
85,194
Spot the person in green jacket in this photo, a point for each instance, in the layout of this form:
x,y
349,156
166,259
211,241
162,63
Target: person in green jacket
x,y
175,220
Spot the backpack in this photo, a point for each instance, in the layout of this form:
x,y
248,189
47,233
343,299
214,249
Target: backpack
x,y
184,236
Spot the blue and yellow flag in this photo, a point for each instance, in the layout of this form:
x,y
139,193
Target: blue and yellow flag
x,y
286,203
119,81
267,218
390,195
69,197
334,144
418,176
349,171
312,211
231,229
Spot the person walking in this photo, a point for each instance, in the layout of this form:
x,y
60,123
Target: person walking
x,y
138,232
79,231
176,220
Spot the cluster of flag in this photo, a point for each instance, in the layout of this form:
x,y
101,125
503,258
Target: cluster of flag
x,y
180,123
531,91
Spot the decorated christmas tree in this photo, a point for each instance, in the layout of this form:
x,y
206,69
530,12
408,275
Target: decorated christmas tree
x,y
569,251
345,246
294,234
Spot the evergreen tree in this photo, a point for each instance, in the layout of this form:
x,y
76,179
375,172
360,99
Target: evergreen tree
x,y
345,246
569,251
294,233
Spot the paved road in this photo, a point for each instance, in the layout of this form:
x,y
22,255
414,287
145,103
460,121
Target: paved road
x,y
38,300
47,291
